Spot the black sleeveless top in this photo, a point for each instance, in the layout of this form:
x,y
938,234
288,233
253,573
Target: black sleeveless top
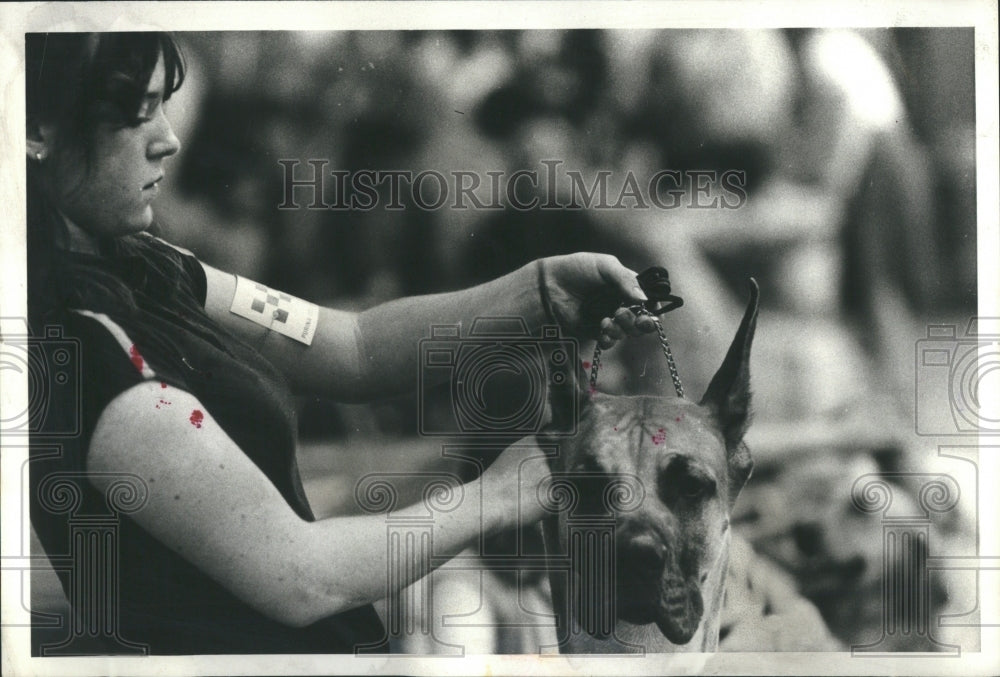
x,y
128,592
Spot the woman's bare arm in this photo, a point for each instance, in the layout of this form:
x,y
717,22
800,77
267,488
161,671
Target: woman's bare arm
x,y
209,503
357,357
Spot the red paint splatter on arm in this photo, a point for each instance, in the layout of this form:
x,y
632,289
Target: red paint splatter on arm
x,y
162,401
136,358
660,436
196,418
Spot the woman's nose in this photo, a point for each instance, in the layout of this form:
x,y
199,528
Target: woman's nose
x,y
165,143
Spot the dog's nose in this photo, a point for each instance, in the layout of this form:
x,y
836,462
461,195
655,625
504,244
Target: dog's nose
x,y
646,555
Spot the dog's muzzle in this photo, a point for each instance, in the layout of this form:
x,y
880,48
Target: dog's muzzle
x,y
650,588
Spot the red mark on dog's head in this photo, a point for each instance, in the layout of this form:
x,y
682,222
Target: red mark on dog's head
x,y
162,384
196,418
586,365
133,353
678,419
660,436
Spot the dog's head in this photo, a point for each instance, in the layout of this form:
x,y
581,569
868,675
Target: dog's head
x,y
688,462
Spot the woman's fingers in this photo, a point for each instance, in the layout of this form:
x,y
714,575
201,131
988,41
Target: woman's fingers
x,y
645,324
612,329
632,325
610,334
624,319
586,288
624,323
623,279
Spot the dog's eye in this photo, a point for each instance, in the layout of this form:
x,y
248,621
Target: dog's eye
x,y
691,487
681,481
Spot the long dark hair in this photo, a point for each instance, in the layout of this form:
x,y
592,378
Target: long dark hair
x,y
79,82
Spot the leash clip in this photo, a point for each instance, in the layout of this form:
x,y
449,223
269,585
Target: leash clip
x,y
655,282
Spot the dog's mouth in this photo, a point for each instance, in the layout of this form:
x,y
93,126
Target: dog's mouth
x,y
674,604
680,610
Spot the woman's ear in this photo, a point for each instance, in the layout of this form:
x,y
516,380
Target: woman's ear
x,y
39,141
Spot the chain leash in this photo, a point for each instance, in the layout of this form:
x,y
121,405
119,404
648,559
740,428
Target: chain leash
x,y
639,311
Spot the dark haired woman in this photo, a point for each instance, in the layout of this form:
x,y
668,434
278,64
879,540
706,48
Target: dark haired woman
x,y
187,375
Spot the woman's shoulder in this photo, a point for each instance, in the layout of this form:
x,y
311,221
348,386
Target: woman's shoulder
x,y
188,262
104,337
80,360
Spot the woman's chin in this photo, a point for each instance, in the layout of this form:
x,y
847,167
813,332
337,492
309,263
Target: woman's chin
x,y
141,222
131,225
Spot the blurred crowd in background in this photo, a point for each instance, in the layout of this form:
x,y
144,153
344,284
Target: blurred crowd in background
x,y
859,225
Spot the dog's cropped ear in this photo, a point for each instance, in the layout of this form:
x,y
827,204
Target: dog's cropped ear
x,y
728,395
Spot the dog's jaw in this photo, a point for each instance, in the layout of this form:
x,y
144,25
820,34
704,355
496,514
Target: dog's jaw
x,y
675,605
680,610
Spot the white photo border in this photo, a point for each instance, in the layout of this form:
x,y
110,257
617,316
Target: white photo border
x,y
18,19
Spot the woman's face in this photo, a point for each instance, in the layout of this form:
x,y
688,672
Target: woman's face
x,y
113,195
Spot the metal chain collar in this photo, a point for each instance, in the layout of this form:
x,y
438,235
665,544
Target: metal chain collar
x,y
639,311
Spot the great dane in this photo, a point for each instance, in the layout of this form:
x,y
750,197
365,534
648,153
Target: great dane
x,y
638,542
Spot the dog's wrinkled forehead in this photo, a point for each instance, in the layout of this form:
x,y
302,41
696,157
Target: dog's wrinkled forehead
x,y
637,434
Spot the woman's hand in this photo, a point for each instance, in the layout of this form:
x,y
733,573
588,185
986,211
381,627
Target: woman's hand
x,y
585,292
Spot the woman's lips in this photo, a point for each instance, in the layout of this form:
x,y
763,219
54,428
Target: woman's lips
x,y
151,190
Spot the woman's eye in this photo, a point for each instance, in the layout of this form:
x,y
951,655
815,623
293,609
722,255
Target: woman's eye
x,y
147,111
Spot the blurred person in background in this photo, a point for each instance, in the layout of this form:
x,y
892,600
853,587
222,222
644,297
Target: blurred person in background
x,y
184,390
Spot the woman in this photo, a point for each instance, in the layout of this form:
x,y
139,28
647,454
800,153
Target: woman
x,y
187,393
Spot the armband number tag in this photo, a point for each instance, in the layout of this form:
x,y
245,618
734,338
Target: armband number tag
x,y
275,310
